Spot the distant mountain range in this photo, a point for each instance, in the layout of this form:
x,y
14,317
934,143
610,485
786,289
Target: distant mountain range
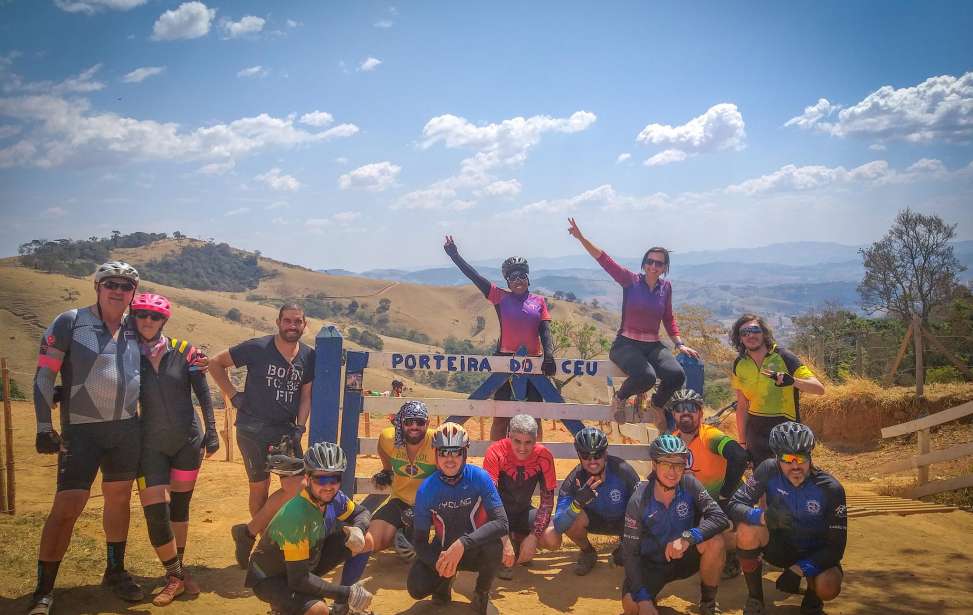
x,y
780,279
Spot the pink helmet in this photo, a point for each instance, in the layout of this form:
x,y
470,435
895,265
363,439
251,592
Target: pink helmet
x,y
152,303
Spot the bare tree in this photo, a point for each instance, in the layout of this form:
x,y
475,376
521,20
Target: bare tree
x,y
585,339
912,269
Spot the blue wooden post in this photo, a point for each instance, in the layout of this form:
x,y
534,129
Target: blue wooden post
x,y
327,386
694,372
355,364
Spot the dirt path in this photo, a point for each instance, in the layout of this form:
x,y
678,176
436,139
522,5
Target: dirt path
x,y
915,564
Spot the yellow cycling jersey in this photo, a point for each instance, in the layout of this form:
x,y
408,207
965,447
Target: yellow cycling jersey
x,y
765,397
408,475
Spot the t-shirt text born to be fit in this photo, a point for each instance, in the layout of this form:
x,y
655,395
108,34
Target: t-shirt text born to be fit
x,y
273,386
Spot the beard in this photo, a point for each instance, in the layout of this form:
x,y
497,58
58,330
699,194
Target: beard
x,y
291,336
414,439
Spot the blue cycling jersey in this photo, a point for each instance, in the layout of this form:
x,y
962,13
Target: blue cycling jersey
x,y
469,510
812,516
617,487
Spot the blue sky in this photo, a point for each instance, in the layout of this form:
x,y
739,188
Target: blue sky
x,y
355,134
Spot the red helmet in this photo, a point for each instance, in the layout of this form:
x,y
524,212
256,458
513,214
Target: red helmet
x,y
152,303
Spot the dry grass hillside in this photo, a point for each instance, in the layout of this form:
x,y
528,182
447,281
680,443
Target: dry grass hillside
x,y
30,299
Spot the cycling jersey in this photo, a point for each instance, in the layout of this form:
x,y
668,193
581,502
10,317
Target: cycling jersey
x,y
643,308
650,525
520,318
272,392
516,480
617,487
169,419
292,544
408,475
469,511
710,455
99,372
812,516
765,397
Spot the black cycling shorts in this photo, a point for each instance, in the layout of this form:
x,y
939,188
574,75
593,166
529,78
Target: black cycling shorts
x,y
522,521
599,525
781,550
254,445
758,436
155,467
391,512
282,598
656,575
112,446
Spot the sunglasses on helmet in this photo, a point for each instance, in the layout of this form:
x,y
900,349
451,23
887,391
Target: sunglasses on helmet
x,y
122,286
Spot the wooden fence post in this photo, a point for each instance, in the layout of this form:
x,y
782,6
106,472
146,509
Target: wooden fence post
x,y
900,355
923,435
11,490
228,427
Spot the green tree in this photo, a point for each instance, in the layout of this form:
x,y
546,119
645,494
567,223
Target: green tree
x,y
586,340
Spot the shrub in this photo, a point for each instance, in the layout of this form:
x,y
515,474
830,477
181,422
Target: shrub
x,y
234,315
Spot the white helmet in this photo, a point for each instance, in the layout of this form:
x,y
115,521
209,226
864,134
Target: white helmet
x,y
117,269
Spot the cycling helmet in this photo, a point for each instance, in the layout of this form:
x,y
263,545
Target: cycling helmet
x,y
150,302
403,547
590,440
117,269
514,263
325,457
666,445
450,435
685,395
791,437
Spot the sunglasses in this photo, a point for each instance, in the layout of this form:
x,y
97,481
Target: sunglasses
x,y
793,458
587,456
517,275
143,314
415,422
685,409
751,330
123,286
450,452
326,479
669,466
651,262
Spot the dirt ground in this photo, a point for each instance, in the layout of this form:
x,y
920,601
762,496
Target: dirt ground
x,y
893,564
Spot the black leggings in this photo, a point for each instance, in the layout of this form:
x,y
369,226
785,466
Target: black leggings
x,y
485,560
645,362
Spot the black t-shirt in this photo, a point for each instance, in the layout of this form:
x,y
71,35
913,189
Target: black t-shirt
x,y
272,392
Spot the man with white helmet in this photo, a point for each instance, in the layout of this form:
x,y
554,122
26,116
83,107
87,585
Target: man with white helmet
x,y
803,527
309,536
96,351
460,506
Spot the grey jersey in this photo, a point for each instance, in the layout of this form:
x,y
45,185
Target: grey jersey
x,y
100,374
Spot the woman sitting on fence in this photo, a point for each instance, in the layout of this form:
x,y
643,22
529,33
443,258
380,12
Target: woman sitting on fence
x,y
524,322
638,350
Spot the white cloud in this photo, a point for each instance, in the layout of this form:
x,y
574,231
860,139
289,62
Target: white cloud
x,y
317,118
503,189
602,198
93,6
666,157
141,74
237,212
81,83
278,181
8,131
189,20
218,168
623,157
374,177
54,212
939,108
342,220
721,127
385,24
792,178
346,217
277,205
369,64
293,24
877,147
252,71
279,221
250,24
341,160
59,130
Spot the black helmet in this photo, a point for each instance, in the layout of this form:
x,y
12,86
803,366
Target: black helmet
x,y
590,440
683,396
325,457
791,437
667,445
514,263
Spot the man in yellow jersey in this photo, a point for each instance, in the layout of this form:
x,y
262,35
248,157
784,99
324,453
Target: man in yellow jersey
x,y
408,458
769,381
718,462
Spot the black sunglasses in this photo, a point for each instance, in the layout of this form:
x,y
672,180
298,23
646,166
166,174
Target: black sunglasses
x,y
450,452
517,275
657,263
326,479
143,314
587,456
751,330
415,422
124,286
685,408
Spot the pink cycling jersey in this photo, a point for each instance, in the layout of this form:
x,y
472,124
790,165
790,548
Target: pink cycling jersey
x,y
520,317
643,308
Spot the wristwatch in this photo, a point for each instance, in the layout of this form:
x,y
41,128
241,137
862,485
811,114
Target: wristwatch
x,y
688,536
